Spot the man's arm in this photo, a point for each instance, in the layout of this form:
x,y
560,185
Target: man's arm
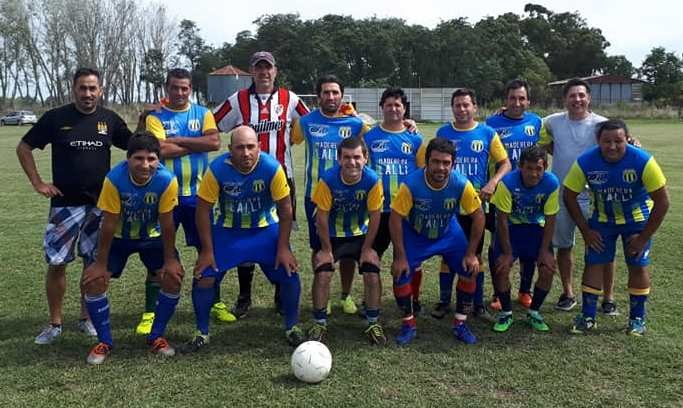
x,y
210,141
25,155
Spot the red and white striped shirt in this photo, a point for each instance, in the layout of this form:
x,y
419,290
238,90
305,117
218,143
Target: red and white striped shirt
x,y
272,119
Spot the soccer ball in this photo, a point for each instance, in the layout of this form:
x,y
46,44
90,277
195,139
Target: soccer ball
x,y
311,362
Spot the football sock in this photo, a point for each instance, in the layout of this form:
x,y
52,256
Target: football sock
x,y
202,300
463,297
98,309
538,298
290,292
162,314
217,292
416,283
479,291
526,276
320,316
151,294
404,298
446,286
590,301
372,315
638,297
505,302
245,275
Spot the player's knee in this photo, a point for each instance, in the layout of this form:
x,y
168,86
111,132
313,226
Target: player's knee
x,y
171,286
324,267
56,270
96,287
368,268
204,283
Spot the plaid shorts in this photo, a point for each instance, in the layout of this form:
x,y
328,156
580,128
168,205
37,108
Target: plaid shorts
x,y
65,225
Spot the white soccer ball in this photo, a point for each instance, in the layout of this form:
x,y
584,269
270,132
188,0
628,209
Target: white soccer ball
x,y
311,362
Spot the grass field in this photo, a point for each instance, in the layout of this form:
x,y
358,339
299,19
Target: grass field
x,y
247,363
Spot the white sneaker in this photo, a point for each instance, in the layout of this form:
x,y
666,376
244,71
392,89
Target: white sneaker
x,y
86,327
49,334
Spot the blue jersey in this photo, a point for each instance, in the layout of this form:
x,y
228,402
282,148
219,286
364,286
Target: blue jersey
x,y
526,205
244,201
394,155
620,190
138,206
516,134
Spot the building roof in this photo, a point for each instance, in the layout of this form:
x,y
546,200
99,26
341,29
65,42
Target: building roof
x,y
602,79
230,70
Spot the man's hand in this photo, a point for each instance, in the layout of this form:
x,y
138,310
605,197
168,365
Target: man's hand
x,y
286,258
94,272
205,260
487,191
546,259
503,264
399,267
48,190
593,239
471,264
411,125
635,246
173,270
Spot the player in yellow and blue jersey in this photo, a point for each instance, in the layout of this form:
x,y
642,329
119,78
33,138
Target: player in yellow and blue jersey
x,y
526,201
478,148
186,131
247,192
137,201
423,224
630,200
348,199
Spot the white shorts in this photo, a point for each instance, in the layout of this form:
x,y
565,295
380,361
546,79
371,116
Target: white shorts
x,y
565,227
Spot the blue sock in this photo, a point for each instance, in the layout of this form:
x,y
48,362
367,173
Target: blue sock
x,y
590,304
98,309
320,315
526,276
446,286
290,291
372,315
163,312
479,291
538,298
637,306
202,300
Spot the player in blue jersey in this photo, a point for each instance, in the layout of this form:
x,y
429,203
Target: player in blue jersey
x,y
186,131
526,203
137,201
423,224
348,199
478,148
247,192
518,129
630,200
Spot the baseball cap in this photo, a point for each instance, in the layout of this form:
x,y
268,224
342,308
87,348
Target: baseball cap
x,y
262,56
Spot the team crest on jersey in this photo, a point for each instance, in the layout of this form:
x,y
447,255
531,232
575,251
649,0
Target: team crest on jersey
x,y
102,128
629,176
194,125
232,189
529,130
318,130
422,204
344,132
279,109
449,203
504,132
150,198
540,198
379,146
477,146
597,177
258,186
360,195
406,148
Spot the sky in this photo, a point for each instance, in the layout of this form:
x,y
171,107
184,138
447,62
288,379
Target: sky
x,y
632,28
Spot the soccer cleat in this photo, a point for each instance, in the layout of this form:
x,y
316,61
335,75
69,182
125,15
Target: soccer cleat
x,y
161,347
145,325
583,325
636,327
524,299
241,307
199,342
220,313
98,353
536,321
49,334
375,334
565,303
318,332
463,333
503,322
348,305
86,327
295,336
495,304
406,334
482,312
441,310
609,307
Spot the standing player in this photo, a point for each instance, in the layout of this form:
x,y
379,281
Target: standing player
x,y
252,219
423,224
630,200
526,203
187,132
269,110
518,129
478,148
348,200
137,200
81,134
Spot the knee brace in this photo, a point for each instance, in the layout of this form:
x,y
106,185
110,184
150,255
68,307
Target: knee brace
x,y
326,267
367,267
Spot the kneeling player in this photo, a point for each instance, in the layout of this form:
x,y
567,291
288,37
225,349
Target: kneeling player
x,y
137,201
526,203
423,224
630,200
248,193
350,195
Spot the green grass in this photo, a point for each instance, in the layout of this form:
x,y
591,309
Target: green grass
x,y
248,362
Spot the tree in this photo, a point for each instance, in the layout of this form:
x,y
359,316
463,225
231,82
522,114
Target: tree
x,y
618,65
154,72
664,73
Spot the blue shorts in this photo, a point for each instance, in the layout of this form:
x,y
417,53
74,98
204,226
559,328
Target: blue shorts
x,y
151,253
313,239
525,239
609,234
183,214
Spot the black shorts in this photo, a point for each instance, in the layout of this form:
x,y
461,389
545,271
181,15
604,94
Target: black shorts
x,y
465,222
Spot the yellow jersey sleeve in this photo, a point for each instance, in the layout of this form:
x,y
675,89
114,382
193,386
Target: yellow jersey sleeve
x,y
497,152
110,200
169,199
546,135
322,196
209,122
297,136
552,205
403,201
376,197
208,188
279,188
653,178
365,129
502,198
420,157
154,126
575,179
469,202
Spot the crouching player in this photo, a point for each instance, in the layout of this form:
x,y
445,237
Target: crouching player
x,y
423,224
630,200
349,200
526,203
248,193
137,201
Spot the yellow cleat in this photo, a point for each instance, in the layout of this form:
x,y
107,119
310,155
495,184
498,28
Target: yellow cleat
x,y
349,305
220,312
145,326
